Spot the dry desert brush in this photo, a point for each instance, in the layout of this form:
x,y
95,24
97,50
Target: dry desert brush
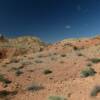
x,y
88,71
56,98
47,71
95,60
5,93
95,91
4,80
34,87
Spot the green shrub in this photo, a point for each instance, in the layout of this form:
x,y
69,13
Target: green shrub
x,y
62,62
14,68
18,72
89,64
53,58
38,61
80,54
4,80
47,71
56,98
63,55
95,60
88,71
34,87
75,48
5,93
14,60
95,91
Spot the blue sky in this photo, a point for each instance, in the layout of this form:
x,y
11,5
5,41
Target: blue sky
x,y
51,20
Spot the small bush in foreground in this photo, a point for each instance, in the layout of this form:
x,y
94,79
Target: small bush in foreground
x,y
89,64
63,55
95,91
38,61
80,54
47,71
95,60
4,80
75,48
56,98
5,93
87,72
18,72
34,87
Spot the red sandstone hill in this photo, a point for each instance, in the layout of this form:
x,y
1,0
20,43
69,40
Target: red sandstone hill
x,y
19,46
66,70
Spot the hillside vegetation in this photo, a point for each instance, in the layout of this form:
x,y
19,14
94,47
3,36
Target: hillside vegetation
x,y
32,70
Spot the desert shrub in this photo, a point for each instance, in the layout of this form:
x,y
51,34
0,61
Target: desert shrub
x,y
18,72
4,65
89,64
95,91
55,53
47,71
87,72
95,60
21,67
40,56
14,60
5,93
63,55
53,58
26,63
4,80
62,62
80,54
56,98
41,49
75,48
34,87
38,61
14,68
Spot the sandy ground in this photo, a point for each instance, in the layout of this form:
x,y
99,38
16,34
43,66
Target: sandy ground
x,y
65,60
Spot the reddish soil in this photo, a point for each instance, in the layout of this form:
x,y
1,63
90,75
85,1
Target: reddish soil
x,y
65,59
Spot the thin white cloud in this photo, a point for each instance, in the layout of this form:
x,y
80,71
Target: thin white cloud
x,y
68,26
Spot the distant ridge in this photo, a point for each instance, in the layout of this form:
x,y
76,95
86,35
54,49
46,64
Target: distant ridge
x,y
20,45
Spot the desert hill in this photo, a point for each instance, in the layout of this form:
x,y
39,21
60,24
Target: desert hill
x,y
19,46
66,70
